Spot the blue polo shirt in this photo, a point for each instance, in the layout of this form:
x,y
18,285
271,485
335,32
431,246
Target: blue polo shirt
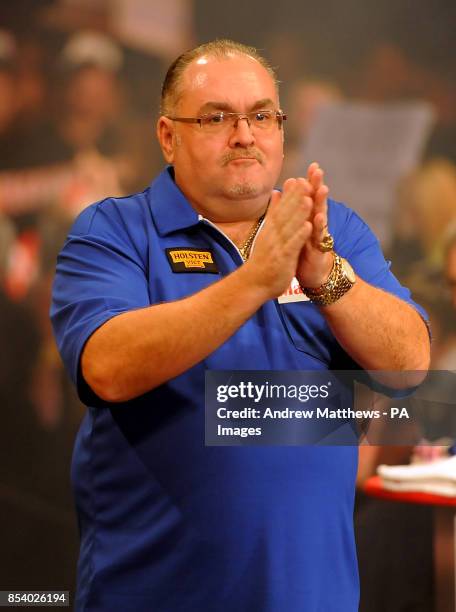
x,y
167,524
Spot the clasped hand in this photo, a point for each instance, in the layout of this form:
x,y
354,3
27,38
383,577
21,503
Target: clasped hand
x,y
295,225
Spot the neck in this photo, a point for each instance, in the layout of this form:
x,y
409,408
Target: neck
x,y
234,216
235,219
238,231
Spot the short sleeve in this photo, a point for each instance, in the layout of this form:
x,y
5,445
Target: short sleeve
x,y
101,272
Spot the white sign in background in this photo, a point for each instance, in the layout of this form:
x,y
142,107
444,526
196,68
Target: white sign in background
x,y
365,149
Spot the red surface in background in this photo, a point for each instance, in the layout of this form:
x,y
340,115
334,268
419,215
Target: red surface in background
x,y
374,487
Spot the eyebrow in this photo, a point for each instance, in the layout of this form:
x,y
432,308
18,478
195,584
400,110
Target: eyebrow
x,y
224,106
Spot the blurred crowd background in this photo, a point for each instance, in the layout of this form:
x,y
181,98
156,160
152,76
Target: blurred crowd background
x,y
79,94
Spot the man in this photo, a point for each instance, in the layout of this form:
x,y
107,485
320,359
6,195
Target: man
x,y
168,524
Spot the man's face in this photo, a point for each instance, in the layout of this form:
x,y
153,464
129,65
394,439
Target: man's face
x,y
238,163
93,92
450,271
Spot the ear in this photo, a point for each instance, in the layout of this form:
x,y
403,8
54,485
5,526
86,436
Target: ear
x,y
165,135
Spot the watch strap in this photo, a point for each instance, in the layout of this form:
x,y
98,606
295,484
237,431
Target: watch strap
x,y
334,288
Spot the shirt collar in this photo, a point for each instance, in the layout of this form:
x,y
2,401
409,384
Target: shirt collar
x,y
170,208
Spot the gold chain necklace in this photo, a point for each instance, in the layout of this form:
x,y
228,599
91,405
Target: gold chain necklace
x,y
244,249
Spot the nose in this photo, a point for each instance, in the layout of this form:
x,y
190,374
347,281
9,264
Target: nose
x,y
242,135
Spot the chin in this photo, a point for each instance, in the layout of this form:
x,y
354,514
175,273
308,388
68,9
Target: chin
x,y
244,190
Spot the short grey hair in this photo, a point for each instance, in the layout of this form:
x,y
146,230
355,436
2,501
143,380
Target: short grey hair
x,y
221,49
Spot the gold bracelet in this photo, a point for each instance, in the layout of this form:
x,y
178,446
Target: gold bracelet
x,y
340,280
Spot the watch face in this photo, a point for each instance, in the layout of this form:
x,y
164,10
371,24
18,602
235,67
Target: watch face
x,y
348,271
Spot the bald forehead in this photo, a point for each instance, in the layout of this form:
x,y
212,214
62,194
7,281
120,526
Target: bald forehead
x,y
238,58
235,73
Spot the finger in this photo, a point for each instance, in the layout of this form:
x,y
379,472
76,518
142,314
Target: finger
x,y
300,196
320,226
299,215
296,192
305,185
287,212
274,201
320,215
288,185
321,198
317,178
300,236
320,229
275,196
296,206
298,185
283,205
311,169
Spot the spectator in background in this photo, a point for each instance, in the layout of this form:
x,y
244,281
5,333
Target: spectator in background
x,y
11,133
446,357
85,129
19,270
425,209
41,162
438,292
8,103
88,147
32,80
93,121
409,55
82,147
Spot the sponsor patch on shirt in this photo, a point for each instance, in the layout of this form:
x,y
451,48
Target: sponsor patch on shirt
x,y
183,259
293,294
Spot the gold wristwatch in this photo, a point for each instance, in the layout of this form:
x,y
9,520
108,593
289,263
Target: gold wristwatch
x,y
340,280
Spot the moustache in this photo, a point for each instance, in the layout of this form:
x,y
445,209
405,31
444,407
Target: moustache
x,y
241,154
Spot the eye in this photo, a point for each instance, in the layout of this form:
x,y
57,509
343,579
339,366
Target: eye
x,y
213,119
263,116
